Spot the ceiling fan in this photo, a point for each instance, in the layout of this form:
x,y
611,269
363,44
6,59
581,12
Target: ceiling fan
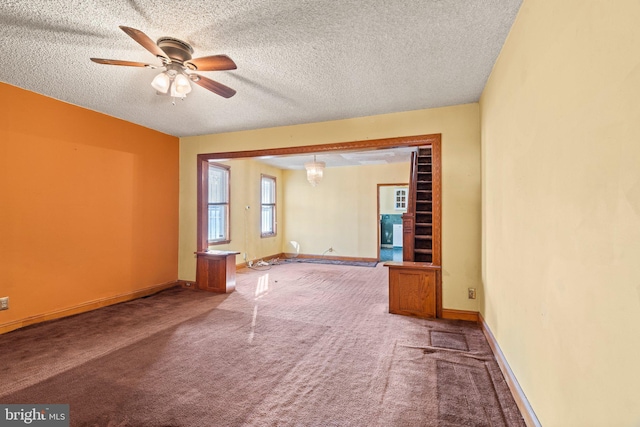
x,y
179,66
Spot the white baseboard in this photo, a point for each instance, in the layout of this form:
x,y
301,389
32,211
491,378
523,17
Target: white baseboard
x,y
526,410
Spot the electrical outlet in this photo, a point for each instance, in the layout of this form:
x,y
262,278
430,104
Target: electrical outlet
x,y
472,293
4,303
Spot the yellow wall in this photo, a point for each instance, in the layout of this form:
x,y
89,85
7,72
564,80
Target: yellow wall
x,y
388,199
88,206
561,209
460,129
245,177
339,213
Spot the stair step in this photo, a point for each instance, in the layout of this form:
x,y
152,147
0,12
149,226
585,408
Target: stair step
x,y
423,251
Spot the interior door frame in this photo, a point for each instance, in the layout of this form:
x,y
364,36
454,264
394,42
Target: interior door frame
x,y
367,144
406,184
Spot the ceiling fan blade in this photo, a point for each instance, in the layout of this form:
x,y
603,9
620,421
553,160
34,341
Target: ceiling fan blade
x,y
125,63
211,63
213,86
145,41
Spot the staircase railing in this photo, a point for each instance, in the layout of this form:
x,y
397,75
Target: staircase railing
x,y
409,217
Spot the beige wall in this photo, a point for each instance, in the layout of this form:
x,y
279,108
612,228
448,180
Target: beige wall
x,y
388,199
339,213
460,131
561,209
244,224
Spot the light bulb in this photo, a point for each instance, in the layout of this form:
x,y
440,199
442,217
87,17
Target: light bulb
x,y
174,93
161,83
181,84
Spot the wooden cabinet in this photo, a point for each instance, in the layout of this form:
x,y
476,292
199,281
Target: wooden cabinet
x,y
414,289
216,271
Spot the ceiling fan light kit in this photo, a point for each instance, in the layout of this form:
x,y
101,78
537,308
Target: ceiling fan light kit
x,y
161,83
172,82
181,84
179,66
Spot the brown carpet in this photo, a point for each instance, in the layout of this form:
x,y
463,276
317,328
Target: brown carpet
x,y
299,344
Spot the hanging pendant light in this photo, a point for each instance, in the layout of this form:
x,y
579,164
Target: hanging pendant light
x,y
315,171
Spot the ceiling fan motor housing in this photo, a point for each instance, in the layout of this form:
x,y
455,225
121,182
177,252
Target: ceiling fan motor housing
x,y
175,49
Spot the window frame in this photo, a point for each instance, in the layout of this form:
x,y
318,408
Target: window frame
x,y
203,205
274,205
400,199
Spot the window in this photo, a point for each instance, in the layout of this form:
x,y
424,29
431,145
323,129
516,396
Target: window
x,y
217,196
401,199
268,206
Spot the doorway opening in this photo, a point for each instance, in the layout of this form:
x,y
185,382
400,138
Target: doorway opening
x,y
392,204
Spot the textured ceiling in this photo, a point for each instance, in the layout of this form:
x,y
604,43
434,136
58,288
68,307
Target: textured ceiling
x,y
299,61
337,159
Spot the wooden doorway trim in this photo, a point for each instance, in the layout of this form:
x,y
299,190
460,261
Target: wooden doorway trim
x,y
436,159
368,144
434,140
409,219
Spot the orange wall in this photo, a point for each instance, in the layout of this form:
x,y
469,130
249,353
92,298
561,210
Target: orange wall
x,y
88,205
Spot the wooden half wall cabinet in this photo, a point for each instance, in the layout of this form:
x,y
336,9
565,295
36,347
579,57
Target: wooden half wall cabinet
x,y
216,271
415,284
414,289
